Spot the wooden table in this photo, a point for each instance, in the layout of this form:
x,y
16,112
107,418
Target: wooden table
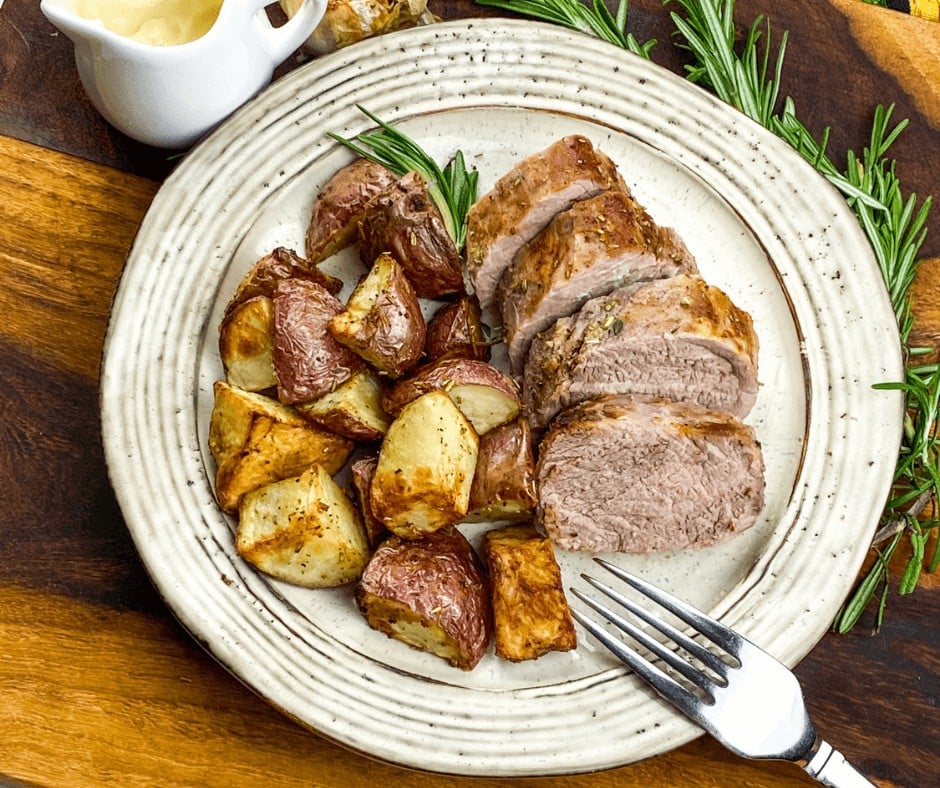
x,y
99,684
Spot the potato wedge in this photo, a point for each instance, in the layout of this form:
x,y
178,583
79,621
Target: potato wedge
x,y
484,395
303,530
256,440
307,360
404,222
282,263
425,469
504,485
353,410
246,344
382,321
431,594
341,204
362,471
456,331
530,612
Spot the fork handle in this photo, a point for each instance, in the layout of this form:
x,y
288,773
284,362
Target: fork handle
x,y
829,767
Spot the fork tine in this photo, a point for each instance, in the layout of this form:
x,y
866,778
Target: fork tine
x,y
711,661
666,686
667,655
716,632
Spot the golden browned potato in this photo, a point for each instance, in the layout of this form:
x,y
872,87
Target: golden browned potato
x,y
303,530
363,470
348,21
431,594
456,331
246,344
256,440
341,204
425,469
504,481
404,222
353,410
382,321
281,263
307,360
530,612
484,395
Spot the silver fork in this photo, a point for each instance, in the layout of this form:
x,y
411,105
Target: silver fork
x,y
742,696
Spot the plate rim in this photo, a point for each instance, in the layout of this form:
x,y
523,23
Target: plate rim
x,y
674,730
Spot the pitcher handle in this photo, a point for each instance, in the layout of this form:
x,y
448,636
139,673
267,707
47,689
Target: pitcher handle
x,y
280,42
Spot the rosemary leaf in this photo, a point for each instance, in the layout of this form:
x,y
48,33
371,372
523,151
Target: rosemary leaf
x,y
453,189
574,15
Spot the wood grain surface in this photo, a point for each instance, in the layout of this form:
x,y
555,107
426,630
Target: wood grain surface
x,y
99,685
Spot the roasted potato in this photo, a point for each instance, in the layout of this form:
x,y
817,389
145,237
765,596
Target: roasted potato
x,y
484,395
256,440
404,222
308,362
353,409
362,471
530,612
504,482
431,594
246,344
382,321
457,331
425,468
341,204
303,530
348,21
280,264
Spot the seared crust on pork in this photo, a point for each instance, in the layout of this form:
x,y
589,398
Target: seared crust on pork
x,y
596,246
525,200
677,338
618,474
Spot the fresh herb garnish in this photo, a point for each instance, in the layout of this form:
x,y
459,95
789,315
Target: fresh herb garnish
x,y
896,229
453,189
894,224
574,15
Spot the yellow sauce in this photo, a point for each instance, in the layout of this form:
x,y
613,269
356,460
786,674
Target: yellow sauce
x,y
157,22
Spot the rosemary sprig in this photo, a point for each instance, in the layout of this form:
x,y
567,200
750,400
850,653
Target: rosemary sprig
x,y
896,228
453,189
894,224
573,14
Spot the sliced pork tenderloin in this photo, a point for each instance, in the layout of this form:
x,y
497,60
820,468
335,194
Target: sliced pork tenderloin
x,y
619,474
676,338
593,248
525,200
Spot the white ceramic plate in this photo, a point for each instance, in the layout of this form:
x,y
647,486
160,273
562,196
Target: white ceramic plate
x,y
763,226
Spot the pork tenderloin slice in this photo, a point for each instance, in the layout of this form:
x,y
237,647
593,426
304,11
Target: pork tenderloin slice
x,y
593,248
676,338
525,200
618,474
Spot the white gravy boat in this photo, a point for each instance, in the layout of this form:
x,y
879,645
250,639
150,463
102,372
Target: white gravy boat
x,y
169,96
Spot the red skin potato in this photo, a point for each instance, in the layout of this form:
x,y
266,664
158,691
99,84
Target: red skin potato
x,y
307,360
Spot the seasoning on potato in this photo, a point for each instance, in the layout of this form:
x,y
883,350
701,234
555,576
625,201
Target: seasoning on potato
x,y
256,440
425,469
431,594
303,530
530,612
